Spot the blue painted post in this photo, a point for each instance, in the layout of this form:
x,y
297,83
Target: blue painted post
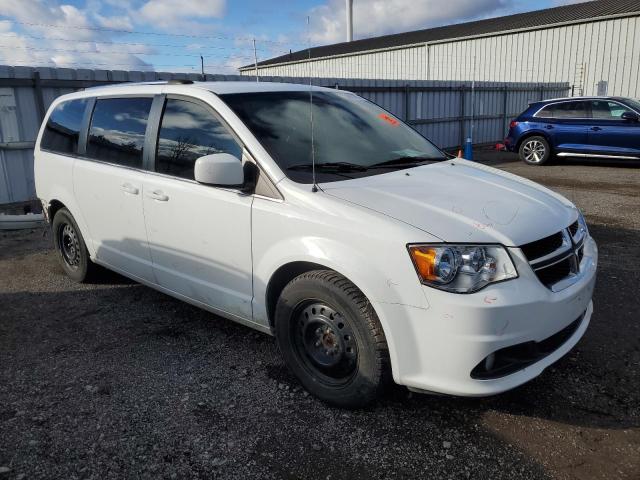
x,y
468,149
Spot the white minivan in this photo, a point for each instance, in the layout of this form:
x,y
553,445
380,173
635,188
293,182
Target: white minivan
x,y
316,216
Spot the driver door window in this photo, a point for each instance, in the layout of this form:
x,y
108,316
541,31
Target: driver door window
x,y
189,131
605,110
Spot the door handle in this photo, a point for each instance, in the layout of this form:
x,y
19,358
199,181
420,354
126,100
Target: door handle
x,y
596,129
128,188
158,195
548,127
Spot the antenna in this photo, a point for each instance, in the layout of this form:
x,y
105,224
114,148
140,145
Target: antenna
x,y
255,59
313,150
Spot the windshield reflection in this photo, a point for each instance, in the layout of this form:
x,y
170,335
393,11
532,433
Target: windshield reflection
x,y
347,130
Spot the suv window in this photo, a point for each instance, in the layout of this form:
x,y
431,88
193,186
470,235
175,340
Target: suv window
x,y
63,127
564,110
117,130
189,131
605,110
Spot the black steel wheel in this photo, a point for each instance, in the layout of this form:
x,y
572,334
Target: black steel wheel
x,y
324,343
70,246
331,339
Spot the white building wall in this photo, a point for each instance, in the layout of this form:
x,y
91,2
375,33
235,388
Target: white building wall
x,y
400,64
581,54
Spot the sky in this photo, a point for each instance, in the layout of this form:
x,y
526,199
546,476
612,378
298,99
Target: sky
x,y
171,35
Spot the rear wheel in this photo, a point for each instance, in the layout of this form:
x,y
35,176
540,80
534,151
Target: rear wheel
x,y
535,150
70,246
331,339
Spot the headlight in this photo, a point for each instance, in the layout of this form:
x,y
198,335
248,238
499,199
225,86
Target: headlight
x,y
582,223
461,268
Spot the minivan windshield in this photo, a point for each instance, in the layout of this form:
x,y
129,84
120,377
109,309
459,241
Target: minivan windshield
x,y
352,137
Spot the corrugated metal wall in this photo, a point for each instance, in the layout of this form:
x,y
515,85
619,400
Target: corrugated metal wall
x,y
440,110
584,55
400,64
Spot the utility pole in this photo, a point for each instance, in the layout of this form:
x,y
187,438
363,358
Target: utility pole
x,y
202,67
255,60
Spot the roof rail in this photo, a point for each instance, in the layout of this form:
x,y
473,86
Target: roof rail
x,y
177,81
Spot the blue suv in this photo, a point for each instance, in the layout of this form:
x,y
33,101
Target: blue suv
x,y
595,127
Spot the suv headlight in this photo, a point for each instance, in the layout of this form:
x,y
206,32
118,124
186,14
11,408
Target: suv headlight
x,y
461,268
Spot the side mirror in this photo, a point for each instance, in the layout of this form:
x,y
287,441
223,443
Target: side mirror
x,y
630,116
219,169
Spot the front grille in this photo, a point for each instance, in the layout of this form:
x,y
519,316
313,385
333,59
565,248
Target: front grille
x,y
542,247
556,257
573,228
554,273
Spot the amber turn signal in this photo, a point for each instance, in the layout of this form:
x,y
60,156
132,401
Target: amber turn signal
x,y
424,258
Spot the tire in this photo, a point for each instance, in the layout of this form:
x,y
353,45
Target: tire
x,y
331,338
70,247
535,150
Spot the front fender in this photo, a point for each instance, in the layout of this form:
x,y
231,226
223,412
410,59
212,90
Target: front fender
x,y
382,288
388,285
367,247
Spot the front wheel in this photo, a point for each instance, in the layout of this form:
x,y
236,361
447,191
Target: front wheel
x,y
535,150
331,339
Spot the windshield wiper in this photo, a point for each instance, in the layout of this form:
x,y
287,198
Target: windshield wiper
x,y
399,162
405,161
330,167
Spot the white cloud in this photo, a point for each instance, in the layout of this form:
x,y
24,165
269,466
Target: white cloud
x,y
379,17
116,22
165,13
74,41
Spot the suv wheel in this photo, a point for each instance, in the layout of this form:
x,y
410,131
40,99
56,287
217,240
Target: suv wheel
x,y
70,246
535,150
331,339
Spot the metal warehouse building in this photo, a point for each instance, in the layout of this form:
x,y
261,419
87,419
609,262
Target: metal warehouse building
x,y
593,46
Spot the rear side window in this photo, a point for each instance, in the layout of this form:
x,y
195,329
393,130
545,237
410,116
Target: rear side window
x,y
117,130
189,131
63,127
564,110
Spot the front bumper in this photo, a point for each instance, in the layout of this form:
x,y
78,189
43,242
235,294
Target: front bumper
x,y
436,349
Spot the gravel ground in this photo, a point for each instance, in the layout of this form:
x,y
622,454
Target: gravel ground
x,y
115,380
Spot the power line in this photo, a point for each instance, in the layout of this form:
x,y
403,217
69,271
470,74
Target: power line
x,y
33,49
136,32
90,64
127,43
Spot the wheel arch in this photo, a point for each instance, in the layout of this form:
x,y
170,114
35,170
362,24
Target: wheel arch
x,y
53,207
534,133
58,202
290,270
281,277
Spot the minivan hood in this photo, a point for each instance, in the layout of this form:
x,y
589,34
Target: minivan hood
x,y
462,201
